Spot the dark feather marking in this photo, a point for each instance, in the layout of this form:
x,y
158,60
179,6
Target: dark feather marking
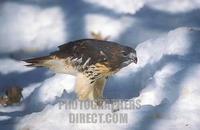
x,y
97,70
92,78
90,74
92,81
97,74
92,67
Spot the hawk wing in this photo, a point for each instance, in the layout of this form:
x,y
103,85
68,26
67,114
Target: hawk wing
x,y
92,51
80,55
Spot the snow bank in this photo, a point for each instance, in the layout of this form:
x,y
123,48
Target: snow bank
x,y
52,117
169,71
184,114
174,6
174,43
9,65
52,88
15,73
107,26
30,28
125,6
132,6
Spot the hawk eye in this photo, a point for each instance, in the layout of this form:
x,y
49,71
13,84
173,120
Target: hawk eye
x,y
125,53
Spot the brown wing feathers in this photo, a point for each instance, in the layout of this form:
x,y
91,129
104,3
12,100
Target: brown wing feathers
x,y
95,50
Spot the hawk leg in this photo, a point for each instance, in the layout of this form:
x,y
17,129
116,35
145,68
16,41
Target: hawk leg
x,y
98,91
87,91
83,87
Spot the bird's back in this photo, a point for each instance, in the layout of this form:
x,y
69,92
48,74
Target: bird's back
x,y
98,51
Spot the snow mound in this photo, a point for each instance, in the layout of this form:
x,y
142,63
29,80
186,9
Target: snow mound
x,y
9,65
174,43
34,29
132,6
125,6
174,6
106,25
53,88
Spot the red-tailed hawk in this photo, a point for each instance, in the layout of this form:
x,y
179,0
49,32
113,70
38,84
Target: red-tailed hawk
x,y
92,61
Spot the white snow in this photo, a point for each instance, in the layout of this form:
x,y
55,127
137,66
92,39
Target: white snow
x,y
159,88
165,80
132,6
153,93
125,6
33,28
184,114
4,118
9,65
107,26
174,6
53,88
175,43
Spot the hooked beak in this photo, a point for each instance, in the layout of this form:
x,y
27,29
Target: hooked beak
x,y
132,60
135,60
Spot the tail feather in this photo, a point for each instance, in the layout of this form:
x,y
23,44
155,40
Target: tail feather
x,y
39,61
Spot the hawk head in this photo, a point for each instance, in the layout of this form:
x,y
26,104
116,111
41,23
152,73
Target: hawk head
x,y
128,55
